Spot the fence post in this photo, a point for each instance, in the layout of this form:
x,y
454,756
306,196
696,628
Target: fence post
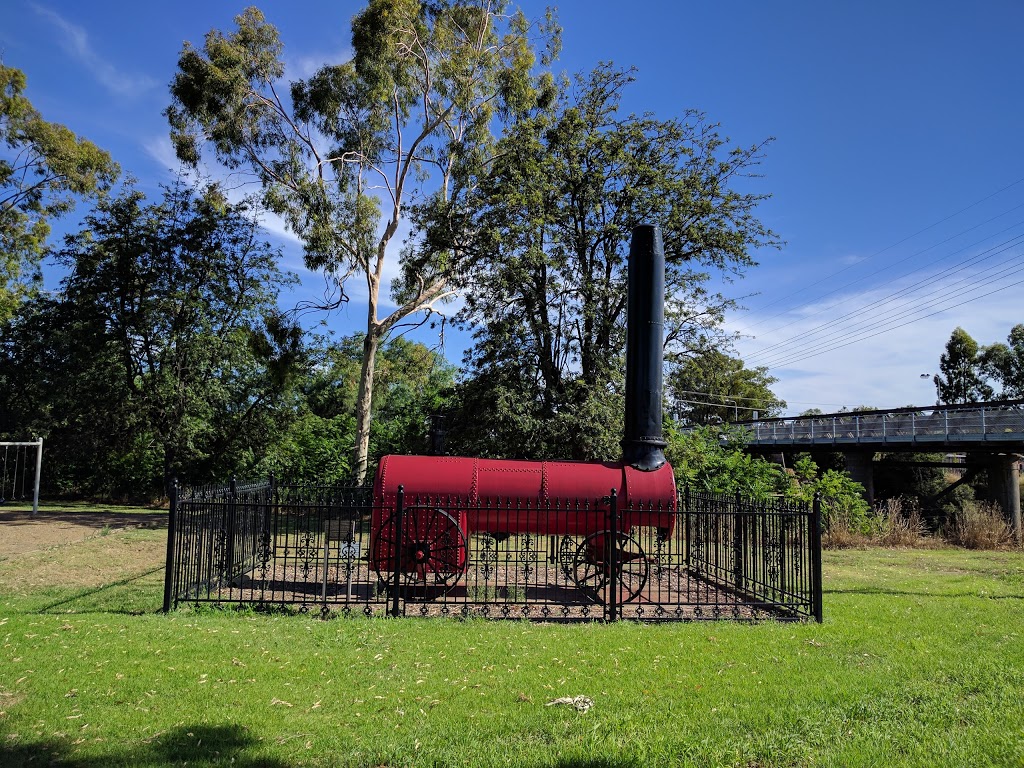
x,y
39,469
170,566
816,582
783,559
686,524
230,514
612,551
738,548
399,514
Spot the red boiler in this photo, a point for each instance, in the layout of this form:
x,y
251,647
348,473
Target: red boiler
x,y
448,499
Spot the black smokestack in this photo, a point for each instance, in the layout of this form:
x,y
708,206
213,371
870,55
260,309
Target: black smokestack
x,y
642,443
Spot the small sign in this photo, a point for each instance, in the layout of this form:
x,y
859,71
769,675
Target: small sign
x,y
340,530
350,550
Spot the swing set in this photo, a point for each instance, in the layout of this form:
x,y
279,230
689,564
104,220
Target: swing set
x,y
15,471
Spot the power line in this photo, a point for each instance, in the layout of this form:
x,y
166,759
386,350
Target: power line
x,y
950,290
718,405
885,269
776,349
805,356
893,245
755,399
712,394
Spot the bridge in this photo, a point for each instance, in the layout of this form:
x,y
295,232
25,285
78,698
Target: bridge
x,y
990,434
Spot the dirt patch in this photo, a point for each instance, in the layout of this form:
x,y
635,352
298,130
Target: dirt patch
x,y
21,533
96,562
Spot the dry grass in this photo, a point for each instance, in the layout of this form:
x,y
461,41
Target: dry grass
x,y
979,525
900,524
896,523
840,535
91,563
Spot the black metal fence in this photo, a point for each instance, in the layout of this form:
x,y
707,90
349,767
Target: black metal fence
x,y
340,551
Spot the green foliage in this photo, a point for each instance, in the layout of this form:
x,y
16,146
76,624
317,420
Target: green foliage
x,y
44,168
712,387
1004,363
893,477
842,499
411,381
961,380
712,459
547,228
163,355
495,414
706,459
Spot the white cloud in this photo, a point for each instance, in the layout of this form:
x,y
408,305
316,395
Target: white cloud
x,y
160,149
75,42
883,369
303,67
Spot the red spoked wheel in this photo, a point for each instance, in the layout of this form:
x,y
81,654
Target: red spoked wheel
x,y
428,551
595,575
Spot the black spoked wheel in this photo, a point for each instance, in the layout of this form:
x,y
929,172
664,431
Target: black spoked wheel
x,y
431,555
593,572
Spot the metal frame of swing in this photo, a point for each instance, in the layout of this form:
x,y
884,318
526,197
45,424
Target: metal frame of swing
x,y
38,445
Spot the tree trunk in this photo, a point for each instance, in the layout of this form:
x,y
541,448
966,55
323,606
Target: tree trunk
x,y
364,402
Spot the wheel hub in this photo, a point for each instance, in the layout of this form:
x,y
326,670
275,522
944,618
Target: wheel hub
x,y
420,552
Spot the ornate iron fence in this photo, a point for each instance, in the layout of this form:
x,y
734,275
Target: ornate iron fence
x,y
339,551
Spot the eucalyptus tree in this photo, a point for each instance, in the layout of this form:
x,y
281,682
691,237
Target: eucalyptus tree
x,y
548,227
412,382
1004,363
960,379
44,169
344,155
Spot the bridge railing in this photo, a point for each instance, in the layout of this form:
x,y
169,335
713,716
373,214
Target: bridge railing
x,y
996,421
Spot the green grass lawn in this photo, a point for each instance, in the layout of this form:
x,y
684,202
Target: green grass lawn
x,y
920,662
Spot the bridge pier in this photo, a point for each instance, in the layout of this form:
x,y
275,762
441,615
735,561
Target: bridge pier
x,y
1005,479
861,467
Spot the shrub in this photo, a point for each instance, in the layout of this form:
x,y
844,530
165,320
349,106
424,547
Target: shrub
x,y
711,459
978,525
842,499
899,522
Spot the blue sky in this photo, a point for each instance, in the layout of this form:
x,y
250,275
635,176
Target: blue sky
x,y
896,174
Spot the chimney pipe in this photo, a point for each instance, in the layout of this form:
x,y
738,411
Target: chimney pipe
x,y
643,442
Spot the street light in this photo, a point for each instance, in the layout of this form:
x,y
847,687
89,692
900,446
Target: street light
x,y
735,408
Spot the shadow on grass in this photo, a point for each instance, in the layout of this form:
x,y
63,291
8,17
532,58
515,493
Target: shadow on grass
x,y
91,518
67,604
191,745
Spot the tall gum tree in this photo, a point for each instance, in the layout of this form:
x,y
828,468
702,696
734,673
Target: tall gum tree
x,y
1004,363
960,379
345,155
44,169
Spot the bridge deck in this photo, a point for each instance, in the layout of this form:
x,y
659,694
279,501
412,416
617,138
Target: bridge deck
x,y
998,427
